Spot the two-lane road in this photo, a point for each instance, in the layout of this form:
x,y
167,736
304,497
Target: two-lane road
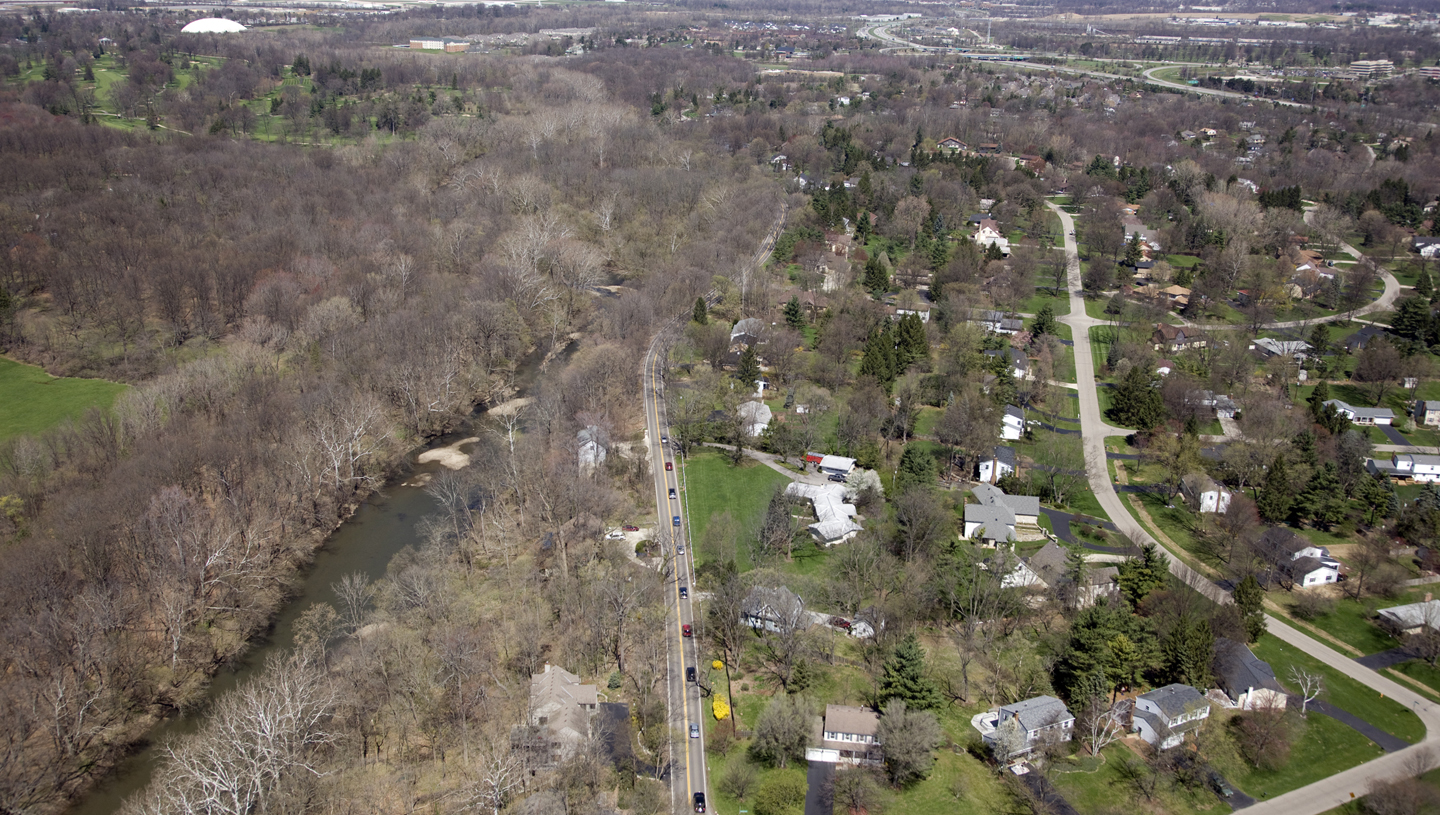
x,y
686,709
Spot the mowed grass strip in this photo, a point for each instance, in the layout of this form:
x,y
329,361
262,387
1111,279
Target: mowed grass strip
x,y
32,401
714,486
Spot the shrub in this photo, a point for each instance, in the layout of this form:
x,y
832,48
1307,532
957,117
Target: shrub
x,y
1308,605
782,793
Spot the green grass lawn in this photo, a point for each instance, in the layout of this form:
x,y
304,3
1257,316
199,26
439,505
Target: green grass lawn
x,y
713,486
1342,691
1322,748
36,401
1093,785
1352,622
1060,304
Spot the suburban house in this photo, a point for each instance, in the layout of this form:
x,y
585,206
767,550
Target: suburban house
x,y
996,322
1177,296
950,144
1427,412
592,443
835,465
1223,406
1246,680
757,416
560,710
1415,467
1164,367
1164,715
1168,337
1012,423
834,516
1282,348
1015,729
1411,619
1298,560
1358,340
1025,507
1000,464
866,622
1362,415
987,236
848,737
781,162
1046,569
1426,247
773,608
1204,494
990,525
1019,362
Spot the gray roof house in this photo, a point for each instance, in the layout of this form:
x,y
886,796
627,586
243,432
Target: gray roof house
x,y
1411,618
1427,412
1362,415
1164,715
848,736
990,525
773,608
560,708
1014,730
1246,680
1025,507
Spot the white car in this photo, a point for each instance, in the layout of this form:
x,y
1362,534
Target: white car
x,y
616,535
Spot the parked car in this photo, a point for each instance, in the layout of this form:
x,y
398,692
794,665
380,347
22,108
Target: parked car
x,y
840,622
837,477
630,528
672,493
699,802
684,592
616,535
690,676
685,630
694,731
669,466
1221,786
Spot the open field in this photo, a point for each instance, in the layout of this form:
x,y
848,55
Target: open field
x,y
36,401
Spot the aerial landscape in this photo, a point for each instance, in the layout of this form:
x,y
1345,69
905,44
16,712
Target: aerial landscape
x,y
602,407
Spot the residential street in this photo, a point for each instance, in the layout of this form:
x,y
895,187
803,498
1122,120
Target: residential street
x,y
1322,795
1093,428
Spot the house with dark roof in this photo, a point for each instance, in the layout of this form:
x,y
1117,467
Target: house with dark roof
x,y
1012,423
1246,680
1295,559
1203,494
1358,340
1016,729
1002,462
1165,715
1019,362
1046,569
950,144
1173,338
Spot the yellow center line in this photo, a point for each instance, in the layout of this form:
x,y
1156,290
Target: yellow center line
x,y
662,496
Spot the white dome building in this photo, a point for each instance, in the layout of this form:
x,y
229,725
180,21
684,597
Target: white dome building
x,y
212,25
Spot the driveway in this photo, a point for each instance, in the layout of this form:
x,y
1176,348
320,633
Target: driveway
x,y
1060,524
820,794
1389,743
1394,436
1385,659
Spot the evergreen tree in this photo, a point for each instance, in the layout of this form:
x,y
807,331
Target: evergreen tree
x,y
1044,321
904,678
916,469
794,314
1137,401
1188,652
1133,252
879,359
912,344
1322,502
939,254
992,252
701,314
1320,340
1142,575
877,280
1251,602
1412,318
1275,499
1424,286
748,371
1318,398
862,228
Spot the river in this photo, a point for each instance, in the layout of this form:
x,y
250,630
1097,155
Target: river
x,y
365,543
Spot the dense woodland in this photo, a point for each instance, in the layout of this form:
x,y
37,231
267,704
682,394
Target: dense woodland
x,y
295,317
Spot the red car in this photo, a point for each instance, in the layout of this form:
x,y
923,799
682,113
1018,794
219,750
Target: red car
x,y
669,466
685,630
630,528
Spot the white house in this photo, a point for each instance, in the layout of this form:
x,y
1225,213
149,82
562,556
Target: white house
x,y
1411,618
1164,715
836,465
1362,415
996,322
1000,464
1026,508
991,525
849,737
1019,362
1310,571
1204,494
757,417
834,515
987,236
592,444
1015,729
1427,412
1246,680
1012,423
1415,467
1302,562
